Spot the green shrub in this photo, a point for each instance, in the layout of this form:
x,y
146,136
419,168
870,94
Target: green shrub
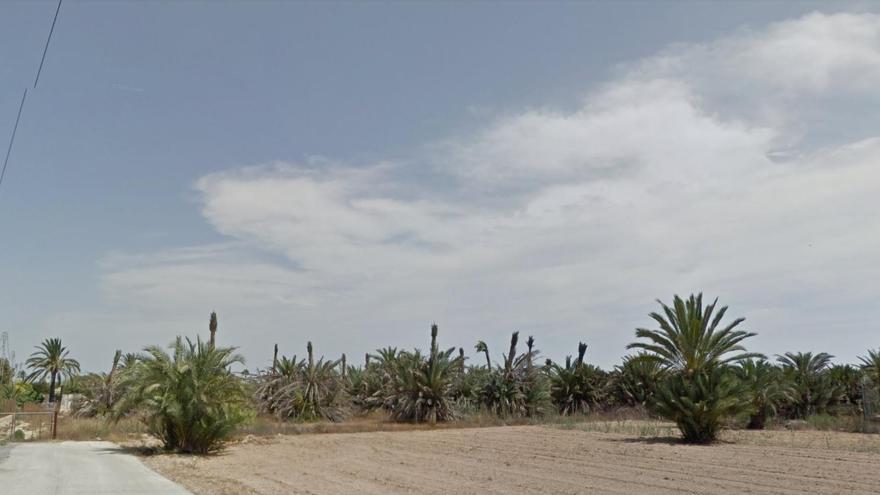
x,y
22,393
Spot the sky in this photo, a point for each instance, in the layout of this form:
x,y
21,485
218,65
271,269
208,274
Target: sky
x,y
350,173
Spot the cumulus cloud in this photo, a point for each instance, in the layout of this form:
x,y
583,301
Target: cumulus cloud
x,y
691,170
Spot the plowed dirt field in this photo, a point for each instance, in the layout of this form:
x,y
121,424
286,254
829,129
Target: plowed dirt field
x,y
533,459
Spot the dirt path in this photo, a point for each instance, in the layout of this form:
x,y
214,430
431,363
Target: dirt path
x,y
527,459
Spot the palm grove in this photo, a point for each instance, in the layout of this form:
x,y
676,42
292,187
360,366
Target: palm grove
x,y
693,369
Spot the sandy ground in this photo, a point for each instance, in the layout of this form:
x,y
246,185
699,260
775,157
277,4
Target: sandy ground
x,y
532,459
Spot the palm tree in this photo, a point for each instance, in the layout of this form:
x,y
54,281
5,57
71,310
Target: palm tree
x,y
635,381
516,388
767,387
129,361
696,351
51,360
871,366
848,380
188,398
421,387
689,338
809,372
575,389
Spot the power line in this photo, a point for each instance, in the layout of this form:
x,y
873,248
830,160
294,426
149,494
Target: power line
x,y
24,95
48,39
12,139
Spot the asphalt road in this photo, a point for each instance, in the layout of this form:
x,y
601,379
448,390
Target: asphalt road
x,y
77,468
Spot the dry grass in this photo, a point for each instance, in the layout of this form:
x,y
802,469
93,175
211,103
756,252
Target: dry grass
x,y
805,439
631,427
79,429
379,421
628,422
828,439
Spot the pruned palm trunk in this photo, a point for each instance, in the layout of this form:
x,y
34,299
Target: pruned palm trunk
x,y
212,327
530,343
512,353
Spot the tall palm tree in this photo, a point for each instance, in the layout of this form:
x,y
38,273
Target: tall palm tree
x,y
690,337
50,359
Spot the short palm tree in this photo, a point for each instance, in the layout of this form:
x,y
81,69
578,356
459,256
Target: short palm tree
x,y
847,379
302,389
695,350
575,389
50,359
320,386
420,388
189,399
871,366
635,381
767,387
813,386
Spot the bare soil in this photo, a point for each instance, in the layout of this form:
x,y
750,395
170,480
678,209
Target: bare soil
x,y
533,459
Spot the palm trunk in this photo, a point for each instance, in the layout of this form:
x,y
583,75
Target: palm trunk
x,y
344,366
212,327
757,421
109,387
512,353
530,343
52,387
461,359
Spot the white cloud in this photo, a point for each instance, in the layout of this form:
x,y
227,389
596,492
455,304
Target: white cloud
x,y
680,175
813,54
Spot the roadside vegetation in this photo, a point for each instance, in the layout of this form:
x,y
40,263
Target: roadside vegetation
x,y
691,371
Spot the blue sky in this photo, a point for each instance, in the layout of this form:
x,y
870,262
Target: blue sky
x,y
349,173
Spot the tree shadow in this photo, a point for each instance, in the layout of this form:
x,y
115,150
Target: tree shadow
x,y
667,440
149,451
